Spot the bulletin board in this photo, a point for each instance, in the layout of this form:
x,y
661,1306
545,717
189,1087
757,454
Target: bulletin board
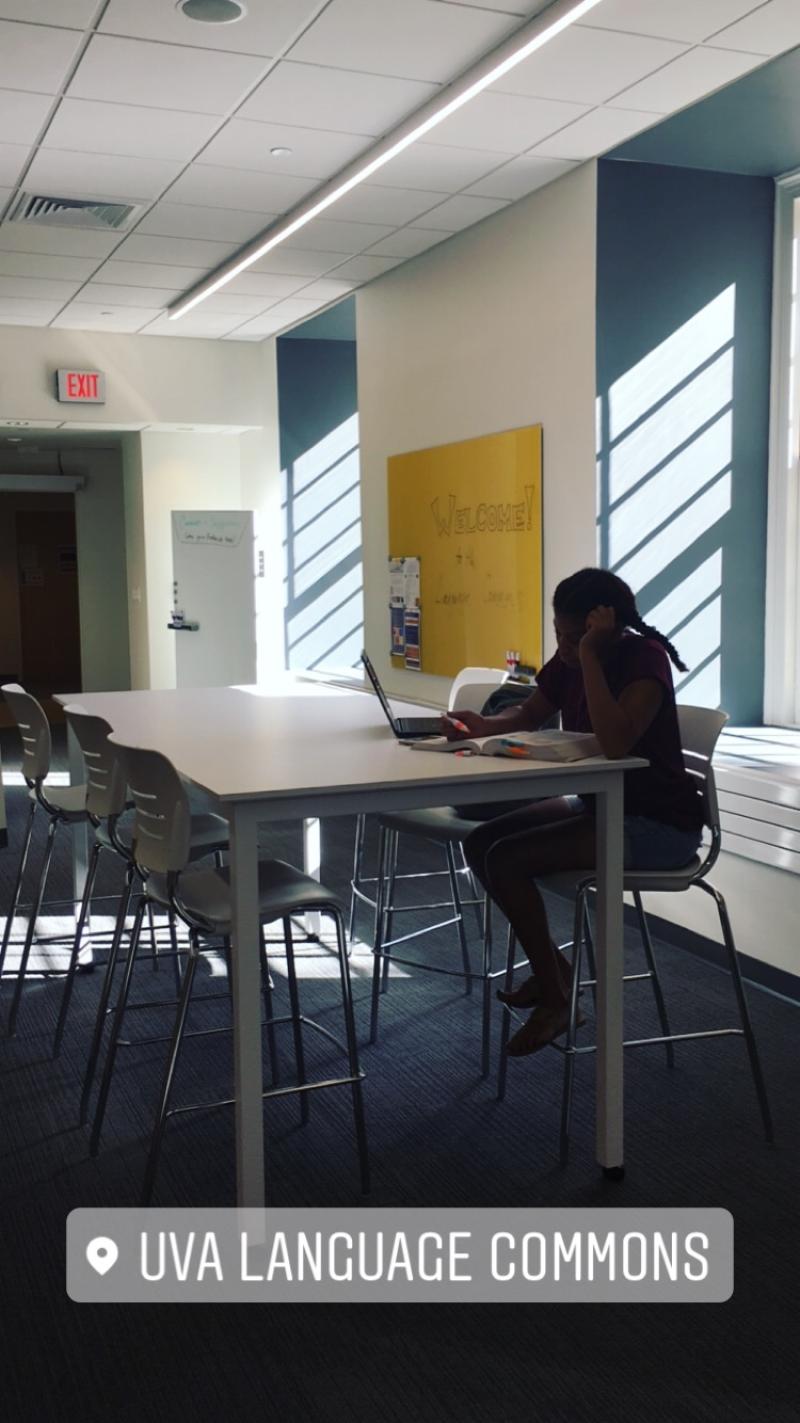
x,y
471,512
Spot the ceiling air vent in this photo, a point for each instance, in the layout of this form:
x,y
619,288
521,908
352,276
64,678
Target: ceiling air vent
x,y
72,212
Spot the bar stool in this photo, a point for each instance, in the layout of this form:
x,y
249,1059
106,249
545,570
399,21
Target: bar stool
x,y
63,805
700,728
201,899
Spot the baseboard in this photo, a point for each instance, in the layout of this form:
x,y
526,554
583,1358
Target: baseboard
x,y
764,975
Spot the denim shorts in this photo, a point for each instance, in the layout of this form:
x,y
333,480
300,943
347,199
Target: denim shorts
x,y
653,845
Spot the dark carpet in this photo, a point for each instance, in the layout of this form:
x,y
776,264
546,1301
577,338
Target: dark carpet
x,y
437,1137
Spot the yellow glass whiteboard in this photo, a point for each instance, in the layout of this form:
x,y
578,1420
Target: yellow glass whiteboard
x,y
472,513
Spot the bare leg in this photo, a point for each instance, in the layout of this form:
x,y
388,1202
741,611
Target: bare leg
x,y
507,866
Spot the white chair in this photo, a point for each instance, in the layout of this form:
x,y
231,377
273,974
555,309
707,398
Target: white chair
x,y
201,899
700,728
445,827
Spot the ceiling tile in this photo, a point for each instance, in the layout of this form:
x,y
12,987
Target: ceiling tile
x,y
588,66
22,115
440,168
520,177
56,241
519,9
336,100
259,328
365,268
31,264
596,133
5,194
687,79
406,243
35,57
214,224
98,175
150,274
170,77
327,289
232,303
211,186
12,158
314,154
267,284
69,14
263,30
296,262
90,316
383,37
505,123
26,312
295,308
689,20
325,235
198,323
770,29
462,212
110,294
42,288
176,250
393,206
88,126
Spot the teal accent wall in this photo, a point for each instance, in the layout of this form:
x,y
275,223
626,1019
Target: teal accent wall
x,y
684,292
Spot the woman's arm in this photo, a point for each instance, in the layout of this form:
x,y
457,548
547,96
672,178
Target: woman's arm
x,y
617,722
525,716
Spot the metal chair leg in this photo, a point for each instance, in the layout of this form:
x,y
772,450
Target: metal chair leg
x,y
588,944
297,1026
105,994
116,1028
661,1007
486,985
272,1044
388,907
352,1051
15,898
572,1027
29,936
176,961
505,1026
475,894
169,1073
744,1011
86,899
151,919
377,943
358,855
462,936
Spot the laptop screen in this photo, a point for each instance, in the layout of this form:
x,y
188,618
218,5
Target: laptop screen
x,y
379,692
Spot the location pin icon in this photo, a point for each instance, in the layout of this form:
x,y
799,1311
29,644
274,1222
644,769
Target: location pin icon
x,y
102,1253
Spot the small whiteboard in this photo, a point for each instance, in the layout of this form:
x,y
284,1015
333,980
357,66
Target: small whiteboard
x,y
213,560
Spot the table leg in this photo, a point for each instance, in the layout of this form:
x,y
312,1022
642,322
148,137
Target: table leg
x,y
610,967
246,992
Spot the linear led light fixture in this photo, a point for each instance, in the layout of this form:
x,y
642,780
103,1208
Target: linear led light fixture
x,y
523,43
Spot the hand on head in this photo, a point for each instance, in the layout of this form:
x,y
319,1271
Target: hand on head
x,y
601,628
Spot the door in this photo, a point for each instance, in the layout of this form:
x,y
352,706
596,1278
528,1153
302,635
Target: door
x,y
49,615
213,559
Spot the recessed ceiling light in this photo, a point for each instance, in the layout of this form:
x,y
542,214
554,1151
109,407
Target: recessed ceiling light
x,y
15,439
212,12
280,152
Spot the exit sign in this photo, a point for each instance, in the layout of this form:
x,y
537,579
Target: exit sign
x,y
83,387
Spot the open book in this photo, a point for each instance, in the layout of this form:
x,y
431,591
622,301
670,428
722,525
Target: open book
x,y
527,745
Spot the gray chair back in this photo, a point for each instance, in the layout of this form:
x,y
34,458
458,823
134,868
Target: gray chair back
x,y
700,729
105,770
34,729
162,817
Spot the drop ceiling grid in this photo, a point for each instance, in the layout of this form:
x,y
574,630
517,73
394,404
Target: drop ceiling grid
x,y
193,153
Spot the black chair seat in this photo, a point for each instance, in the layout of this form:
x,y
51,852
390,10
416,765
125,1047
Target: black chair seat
x,y
204,895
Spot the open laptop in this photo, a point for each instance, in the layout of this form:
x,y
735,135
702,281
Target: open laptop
x,y
406,728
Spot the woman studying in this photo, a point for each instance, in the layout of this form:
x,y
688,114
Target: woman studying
x,y
611,676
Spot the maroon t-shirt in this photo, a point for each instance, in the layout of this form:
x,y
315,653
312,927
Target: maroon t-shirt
x,y
663,790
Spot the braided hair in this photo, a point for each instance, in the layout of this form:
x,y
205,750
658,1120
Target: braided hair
x,y
576,596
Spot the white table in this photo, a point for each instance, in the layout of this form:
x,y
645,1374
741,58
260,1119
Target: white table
x,y
309,750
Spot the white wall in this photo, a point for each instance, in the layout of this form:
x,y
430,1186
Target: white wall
x,y
491,330
149,379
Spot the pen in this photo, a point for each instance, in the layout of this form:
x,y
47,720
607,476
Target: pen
x,y
459,725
